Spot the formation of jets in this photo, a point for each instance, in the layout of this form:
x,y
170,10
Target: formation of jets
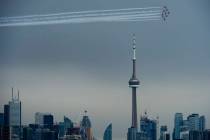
x,y
165,13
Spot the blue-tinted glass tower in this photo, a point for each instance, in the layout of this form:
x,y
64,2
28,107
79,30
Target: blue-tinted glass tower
x,y
67,123
149,127
178,121
86,128
202,122
108,133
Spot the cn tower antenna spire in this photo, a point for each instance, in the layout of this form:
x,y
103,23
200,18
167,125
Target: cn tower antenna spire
x,y
134,47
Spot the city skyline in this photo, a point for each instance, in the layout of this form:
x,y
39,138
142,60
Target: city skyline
x,y
44,127
63,68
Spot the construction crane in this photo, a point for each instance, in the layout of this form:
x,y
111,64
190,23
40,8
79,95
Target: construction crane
x,y
114,15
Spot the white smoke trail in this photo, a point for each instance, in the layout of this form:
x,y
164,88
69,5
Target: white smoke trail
x,y
116,15
93,11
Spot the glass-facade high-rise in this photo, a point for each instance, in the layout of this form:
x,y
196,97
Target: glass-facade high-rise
x,y
149,127
86,128
202,122
67,123
108,133
14,112
192,125
177,125
15,117
193,120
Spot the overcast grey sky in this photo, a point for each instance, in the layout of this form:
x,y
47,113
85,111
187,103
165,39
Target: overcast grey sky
x,y
67,68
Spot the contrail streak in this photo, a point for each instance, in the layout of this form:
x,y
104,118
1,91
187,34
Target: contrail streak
x,y
115,15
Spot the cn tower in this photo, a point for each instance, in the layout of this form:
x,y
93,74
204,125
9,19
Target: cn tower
x,y
134,83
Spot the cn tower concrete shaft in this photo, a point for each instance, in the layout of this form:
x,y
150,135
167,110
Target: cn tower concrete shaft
x,y
134,108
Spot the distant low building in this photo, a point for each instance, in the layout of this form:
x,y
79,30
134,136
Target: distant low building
x,y
1,119
164,134
27,133
43,119
132,133
206,135
44,134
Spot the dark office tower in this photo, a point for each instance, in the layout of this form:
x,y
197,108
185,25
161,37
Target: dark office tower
x,y
206,135
1,125
134,83
1,119
6,133
166,136
27,133
48,121
195,135
6,115
108,133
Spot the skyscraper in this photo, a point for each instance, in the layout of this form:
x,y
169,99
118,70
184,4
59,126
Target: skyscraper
x,y
193,120
15,116
1,119
15,111
133,83
192,125
202,122
86,127
177,125
27,133
149,127
64,126
67,123
108,133
48,120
